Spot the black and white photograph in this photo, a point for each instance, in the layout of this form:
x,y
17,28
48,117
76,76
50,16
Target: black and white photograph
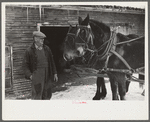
x,y
75,60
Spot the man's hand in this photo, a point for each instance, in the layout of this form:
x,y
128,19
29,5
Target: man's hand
x,y
55,77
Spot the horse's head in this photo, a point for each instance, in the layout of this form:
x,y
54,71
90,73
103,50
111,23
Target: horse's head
x,y
91,34
87,36
84,36
72,48
69,48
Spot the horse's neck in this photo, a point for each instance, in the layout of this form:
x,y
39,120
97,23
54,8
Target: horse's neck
x,y
99,40
101,34
107,36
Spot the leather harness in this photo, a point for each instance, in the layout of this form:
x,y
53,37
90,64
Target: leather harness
x,y
109,50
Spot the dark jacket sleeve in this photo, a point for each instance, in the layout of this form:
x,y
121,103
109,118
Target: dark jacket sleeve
x,y
26,65
52,62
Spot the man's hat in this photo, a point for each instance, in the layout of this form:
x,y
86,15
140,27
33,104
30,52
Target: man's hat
x,y
39,34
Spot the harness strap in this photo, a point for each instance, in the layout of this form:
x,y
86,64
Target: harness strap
x,y
89,38
71,35
136,80
140,70
106,62
127,71
141,73
120,70
129,40
104,55
121,58
109,50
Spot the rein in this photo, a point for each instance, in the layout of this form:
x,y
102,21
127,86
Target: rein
x,y
109,46
109,51
112,51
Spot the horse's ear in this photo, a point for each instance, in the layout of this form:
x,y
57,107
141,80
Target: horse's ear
x,y
70,28
86,20
88,16
80,20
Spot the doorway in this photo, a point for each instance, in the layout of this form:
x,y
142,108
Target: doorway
x,y
55,36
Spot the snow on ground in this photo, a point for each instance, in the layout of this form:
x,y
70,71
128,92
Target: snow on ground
x,y
87,89
73,87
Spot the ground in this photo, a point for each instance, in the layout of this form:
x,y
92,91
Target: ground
x,y
84,88
78,87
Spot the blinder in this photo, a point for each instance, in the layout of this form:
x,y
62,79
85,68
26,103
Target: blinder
x,y
72,35
84,33
88,37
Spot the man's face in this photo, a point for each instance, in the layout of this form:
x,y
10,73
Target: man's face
x,y
39,41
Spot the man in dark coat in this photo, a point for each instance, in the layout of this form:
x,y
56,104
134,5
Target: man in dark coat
x,y
39,67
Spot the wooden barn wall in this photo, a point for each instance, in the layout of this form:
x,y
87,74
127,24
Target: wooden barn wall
x,y
129,23
22,21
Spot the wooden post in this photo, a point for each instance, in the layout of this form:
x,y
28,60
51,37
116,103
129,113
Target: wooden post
x,y
27,14
11,58
40,12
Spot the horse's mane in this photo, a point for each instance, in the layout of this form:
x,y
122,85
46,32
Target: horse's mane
x,y
103,26
122,37
106,28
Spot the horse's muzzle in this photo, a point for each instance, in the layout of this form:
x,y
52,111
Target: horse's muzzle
x,y
67,57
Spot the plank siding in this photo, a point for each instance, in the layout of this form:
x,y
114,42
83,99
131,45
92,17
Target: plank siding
x,y
22,21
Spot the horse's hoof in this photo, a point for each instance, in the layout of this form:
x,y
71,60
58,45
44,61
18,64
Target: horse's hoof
x,y
99,97
103,95
143,93
96,98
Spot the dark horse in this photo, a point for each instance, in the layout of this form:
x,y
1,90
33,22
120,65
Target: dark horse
x,y
108,51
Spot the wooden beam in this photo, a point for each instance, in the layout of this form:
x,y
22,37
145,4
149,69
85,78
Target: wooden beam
x,y
99,8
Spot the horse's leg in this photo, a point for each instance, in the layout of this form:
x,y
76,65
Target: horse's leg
x,y
104,91
114,87
121,85
143,93
118,84
100,86
141,85
127,85
98,83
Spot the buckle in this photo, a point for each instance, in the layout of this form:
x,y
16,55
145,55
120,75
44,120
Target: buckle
x,y
103,71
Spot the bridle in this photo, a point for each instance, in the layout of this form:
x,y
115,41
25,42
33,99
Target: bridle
x,y
89,37
88,40
72,35
106,46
